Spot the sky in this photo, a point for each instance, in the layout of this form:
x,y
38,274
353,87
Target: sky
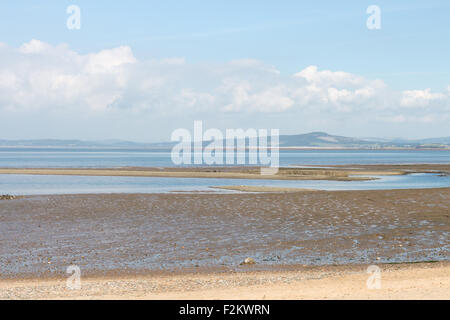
x,y
138,70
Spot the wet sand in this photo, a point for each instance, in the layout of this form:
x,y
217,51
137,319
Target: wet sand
x,y
138,233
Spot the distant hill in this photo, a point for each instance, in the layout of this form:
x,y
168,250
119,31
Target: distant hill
x,y
322,139
55,143
66,143
308,140
319,139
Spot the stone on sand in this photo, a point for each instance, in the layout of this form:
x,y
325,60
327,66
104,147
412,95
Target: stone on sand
x,y
248,261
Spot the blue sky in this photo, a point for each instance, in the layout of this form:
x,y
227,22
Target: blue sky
x,y
410,53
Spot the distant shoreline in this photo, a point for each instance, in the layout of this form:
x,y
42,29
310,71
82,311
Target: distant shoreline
x,y
168,149
317,140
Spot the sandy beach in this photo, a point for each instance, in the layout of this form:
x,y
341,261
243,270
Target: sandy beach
x,y
404,281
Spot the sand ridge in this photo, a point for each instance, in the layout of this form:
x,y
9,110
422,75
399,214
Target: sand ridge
x,y
205,172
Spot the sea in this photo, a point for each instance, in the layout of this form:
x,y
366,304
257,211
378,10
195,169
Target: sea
x,y
117,158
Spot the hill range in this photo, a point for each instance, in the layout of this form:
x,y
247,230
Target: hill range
x,y
308,140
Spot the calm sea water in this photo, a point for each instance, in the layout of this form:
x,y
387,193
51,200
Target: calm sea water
x,y
35,185
76,158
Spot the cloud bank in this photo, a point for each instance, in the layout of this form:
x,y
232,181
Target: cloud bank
x,y
41,77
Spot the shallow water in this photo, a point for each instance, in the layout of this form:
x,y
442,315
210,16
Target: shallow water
x,y
75,158
41,184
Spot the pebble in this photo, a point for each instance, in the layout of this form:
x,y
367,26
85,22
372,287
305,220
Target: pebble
x,y
7,197
248,261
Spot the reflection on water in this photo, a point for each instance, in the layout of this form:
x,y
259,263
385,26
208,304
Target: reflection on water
x,y
36,184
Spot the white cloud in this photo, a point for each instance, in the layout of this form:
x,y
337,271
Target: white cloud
x,y
330,78
422,98
410,119
33,47
40,76
109,60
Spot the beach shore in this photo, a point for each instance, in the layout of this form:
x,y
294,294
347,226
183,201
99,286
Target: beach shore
x,y
307,245
403,281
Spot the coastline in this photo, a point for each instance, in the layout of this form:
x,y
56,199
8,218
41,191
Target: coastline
x,y
307,244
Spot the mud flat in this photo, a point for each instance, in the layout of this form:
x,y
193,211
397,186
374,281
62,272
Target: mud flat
x,y
137,233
